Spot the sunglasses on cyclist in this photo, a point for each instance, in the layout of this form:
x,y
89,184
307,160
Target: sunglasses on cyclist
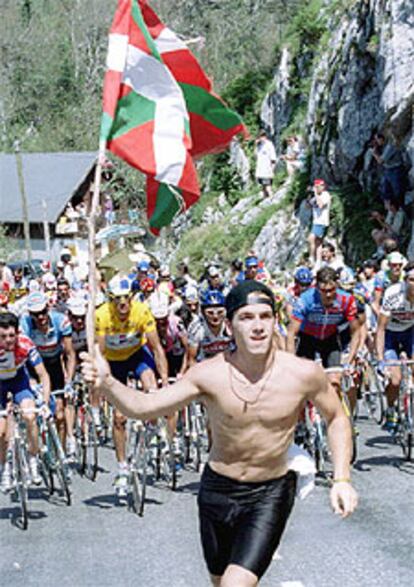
x,y
39,313
327,290
214,312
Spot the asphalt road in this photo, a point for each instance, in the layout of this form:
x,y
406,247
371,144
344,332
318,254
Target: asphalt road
x,y
96,542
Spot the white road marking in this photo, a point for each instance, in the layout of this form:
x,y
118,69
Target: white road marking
x,y
292,584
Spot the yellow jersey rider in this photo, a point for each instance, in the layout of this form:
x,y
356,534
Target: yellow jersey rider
x,y
123,329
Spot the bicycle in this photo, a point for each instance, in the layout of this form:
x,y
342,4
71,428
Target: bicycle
x,y
17,459
194,432
52,456
404,433
347,383
311,434
371,390
86,433
137,465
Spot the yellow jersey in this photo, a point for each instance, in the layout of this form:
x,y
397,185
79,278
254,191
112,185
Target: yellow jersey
x,y
123,338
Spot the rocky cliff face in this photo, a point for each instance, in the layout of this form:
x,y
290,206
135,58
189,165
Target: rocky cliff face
x,y
362,81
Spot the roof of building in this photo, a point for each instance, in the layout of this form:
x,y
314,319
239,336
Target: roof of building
x,y
52,177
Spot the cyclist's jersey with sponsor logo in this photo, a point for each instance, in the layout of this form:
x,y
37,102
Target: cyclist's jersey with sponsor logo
x,y
79,340
49,343
396,306
171,340
123,338
209,345
13,363
383,280
317,320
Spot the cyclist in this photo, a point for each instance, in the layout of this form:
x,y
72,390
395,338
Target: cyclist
x,y
20,285
51,332
395,333
209,335
303,279
172,334
123,328
347,282
387,277
16,352
315,319
63,295
77,315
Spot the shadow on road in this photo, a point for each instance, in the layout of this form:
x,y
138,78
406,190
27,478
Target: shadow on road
x,y
13,513
189,488
109,501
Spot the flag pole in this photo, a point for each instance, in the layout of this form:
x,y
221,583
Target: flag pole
x,y
92,281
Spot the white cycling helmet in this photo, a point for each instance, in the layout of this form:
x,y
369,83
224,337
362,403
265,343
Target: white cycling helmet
x,y
119,285
36,301
159,305
77,307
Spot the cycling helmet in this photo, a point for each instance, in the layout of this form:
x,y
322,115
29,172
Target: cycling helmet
x,y
346,278
159,305
147,284
119,286
303,275
212,297
77,306
191,294
36,301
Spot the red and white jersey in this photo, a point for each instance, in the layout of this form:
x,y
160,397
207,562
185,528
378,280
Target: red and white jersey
x,y
11,362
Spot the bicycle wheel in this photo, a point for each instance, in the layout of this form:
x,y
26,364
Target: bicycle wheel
x,y
165,460
320,447
374,397
347,409
21,480
138,473
89,445
57,458
405,432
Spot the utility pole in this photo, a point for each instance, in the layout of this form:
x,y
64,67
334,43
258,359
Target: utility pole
x,y
26,226
46,232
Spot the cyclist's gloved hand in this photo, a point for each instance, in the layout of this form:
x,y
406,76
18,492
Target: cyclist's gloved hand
x,y
46,413
68,389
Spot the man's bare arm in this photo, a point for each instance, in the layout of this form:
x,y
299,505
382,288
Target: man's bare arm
x,y
132,403
293,331
380,336
159,356
344,499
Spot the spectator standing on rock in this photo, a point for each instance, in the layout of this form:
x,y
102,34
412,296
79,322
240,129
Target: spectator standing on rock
x,y
265,163
391,157
320,202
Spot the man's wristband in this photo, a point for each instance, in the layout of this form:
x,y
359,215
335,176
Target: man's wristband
x,y
342,480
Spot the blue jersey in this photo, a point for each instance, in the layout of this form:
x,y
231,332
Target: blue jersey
x,y
317,320
49,344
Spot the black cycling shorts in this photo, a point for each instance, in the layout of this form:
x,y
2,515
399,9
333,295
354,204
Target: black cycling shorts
x,y
55,370
242,523
329,349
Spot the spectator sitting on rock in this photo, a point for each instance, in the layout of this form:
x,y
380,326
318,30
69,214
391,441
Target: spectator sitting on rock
x,y
391,225
392,159
265,163
294,155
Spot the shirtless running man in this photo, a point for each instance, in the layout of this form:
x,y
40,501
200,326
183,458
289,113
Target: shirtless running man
x,y
253,396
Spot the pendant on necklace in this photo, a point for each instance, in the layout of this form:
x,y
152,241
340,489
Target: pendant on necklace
x,y
245,407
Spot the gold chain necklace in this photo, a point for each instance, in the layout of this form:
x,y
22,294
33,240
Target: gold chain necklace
x,y
249,401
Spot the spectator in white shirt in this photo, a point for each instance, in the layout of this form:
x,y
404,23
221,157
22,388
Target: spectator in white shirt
x,y
320,202
265,163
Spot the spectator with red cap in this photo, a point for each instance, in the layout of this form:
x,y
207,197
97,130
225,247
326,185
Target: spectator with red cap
x,y
320,202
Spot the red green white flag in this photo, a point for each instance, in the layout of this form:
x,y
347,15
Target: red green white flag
x,y
159,109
